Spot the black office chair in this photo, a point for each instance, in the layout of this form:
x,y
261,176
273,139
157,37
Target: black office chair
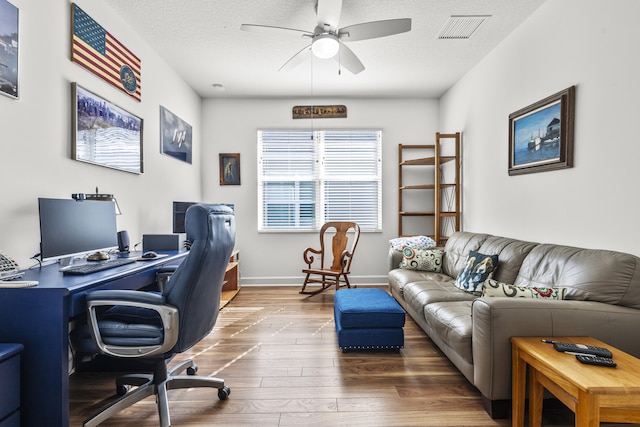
x,y
154,327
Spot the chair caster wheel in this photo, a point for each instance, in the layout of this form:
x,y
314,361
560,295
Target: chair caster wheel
x,y
192,370
122,389
223,393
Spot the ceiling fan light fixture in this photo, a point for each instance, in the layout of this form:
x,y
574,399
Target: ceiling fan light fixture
x,y
325,46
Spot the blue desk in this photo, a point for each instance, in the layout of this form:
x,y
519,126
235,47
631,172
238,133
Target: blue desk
x,y
38,317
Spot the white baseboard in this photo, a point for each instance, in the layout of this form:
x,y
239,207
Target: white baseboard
x,y
297,280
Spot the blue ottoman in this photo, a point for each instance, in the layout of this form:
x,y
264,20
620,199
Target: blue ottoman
x,y
368,318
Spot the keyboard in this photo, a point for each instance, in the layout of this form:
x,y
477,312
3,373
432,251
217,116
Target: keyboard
x,y
94,267
9,269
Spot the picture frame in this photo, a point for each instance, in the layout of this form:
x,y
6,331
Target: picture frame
x,y
96,50
176,136
229,168
541,134
9,55
105,134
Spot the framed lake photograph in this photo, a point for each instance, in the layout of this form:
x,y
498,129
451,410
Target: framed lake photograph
x,y
176,136
8,49
541,135
104,134
229,168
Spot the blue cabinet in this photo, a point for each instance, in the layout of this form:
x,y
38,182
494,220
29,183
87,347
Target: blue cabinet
x,y
10,385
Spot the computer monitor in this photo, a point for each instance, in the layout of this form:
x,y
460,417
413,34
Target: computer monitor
x,y
69,228
179,212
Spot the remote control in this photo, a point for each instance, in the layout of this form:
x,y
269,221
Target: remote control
x,y
597,360
581,348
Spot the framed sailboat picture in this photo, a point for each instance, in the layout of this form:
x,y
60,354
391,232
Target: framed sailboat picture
x,y
541,135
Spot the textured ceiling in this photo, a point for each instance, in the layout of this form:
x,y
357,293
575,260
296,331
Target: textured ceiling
x,y
202,41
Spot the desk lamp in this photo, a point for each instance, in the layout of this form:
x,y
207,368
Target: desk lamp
x,y
101,197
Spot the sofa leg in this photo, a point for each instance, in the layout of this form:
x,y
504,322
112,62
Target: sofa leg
x,y
497,409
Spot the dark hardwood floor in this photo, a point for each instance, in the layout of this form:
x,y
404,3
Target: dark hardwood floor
x,y
277,351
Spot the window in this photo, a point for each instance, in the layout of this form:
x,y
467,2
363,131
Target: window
x,y
307,178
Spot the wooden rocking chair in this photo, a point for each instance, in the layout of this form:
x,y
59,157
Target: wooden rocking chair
x,y
331,274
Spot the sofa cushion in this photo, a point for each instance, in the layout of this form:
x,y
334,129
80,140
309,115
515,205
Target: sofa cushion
x,y
418,294
588,274
478,268
493,288
399,278
457,248
422,259
452,323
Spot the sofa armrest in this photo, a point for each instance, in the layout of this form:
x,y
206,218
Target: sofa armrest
x,y
394,259
496,320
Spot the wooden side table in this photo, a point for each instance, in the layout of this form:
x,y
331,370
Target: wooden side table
x,y
593,393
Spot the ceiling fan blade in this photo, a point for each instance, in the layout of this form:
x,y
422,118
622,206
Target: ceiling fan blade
x,y
274,30
372,30
348,59
328,12
297,59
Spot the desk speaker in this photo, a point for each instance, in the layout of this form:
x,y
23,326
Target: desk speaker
x,y
123,241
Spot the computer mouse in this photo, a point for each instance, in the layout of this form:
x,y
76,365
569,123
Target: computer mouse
x,y
149,255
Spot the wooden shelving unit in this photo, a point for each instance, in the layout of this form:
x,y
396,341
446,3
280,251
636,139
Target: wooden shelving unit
x,y
438,184
231,285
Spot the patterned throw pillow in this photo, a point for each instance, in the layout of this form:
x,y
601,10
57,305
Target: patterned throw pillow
x,y
478,268
421,259
415,242
493,288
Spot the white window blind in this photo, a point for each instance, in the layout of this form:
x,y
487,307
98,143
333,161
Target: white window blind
x,y
307,178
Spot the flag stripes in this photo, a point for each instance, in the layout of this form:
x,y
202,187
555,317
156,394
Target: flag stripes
x,y
102,54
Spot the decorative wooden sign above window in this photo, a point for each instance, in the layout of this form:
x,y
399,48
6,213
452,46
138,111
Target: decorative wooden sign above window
x,y
320,112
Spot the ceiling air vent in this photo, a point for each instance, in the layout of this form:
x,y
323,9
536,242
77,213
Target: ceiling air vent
x,y
461,26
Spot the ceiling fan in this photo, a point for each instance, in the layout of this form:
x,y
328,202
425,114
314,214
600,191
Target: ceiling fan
x,y
328,41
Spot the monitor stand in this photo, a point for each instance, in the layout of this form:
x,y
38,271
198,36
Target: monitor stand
x,y
65,262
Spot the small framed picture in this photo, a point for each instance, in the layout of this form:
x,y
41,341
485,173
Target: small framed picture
x,y
541,135
229,168
175,136
9,49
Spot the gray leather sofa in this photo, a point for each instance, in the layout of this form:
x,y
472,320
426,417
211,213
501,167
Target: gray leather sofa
x,y
602,300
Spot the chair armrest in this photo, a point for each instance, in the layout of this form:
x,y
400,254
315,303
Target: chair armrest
x,y
126,296
170,269
308,257
163,275
148,300
344,258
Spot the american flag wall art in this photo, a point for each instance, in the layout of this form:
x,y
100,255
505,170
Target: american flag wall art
x,y
95,49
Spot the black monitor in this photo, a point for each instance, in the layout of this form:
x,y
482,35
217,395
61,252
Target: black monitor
x,y
179,211
70,228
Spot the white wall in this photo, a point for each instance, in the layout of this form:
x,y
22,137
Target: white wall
x,y
229,126
591,44
35,145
